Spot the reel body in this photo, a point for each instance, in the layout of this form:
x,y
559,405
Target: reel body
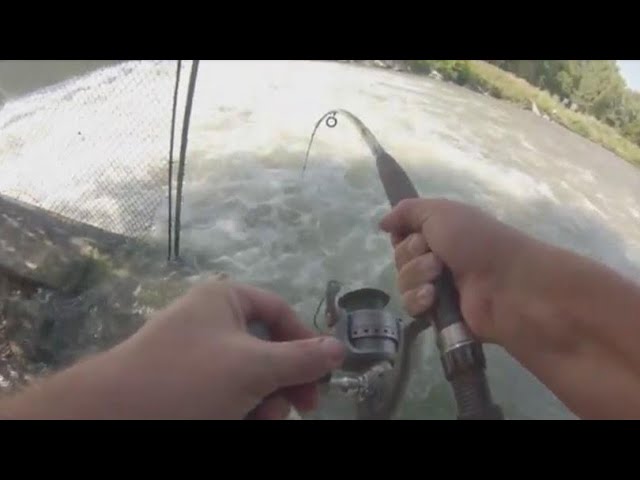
x,y
370,333
378,345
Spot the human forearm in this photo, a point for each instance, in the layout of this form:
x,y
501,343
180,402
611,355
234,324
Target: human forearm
x,y
194,360
87,390
575,324
572,322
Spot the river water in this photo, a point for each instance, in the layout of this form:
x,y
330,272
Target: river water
x,y
249,210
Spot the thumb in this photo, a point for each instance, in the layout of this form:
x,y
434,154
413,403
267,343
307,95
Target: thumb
x,y
305,361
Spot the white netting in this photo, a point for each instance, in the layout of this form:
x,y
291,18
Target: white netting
x,y
94,148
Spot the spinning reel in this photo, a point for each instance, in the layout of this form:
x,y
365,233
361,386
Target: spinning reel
x,y
378,347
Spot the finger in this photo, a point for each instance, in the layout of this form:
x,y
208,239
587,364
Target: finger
x,y
419,271
396,239
282,324
303,397
407,217
275,407
273,312
303,361
411,247
419,300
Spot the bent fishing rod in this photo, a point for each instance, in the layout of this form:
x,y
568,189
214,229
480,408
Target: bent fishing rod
x,y
360,315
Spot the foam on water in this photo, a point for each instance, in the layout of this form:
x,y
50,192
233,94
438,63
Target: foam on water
x,y
249,210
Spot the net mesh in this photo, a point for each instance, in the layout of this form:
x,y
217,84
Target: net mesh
x,y
93,148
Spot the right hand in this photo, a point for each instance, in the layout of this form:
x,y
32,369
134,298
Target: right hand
x,y
482,253
572,322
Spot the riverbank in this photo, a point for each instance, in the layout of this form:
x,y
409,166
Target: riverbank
x,y
488,79
16,370
68,289
504,85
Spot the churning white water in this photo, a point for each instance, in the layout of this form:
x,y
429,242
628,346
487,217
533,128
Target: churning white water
x,y
250,210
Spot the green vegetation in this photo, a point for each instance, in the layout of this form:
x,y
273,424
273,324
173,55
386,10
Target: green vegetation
x,y
458,71
588,97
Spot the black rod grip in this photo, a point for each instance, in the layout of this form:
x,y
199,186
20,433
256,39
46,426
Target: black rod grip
x,y
447,301
464,365
474,398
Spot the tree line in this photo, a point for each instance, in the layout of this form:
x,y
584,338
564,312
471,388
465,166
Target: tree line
x,y
595,87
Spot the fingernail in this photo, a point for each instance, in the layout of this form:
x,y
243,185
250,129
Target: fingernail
x,y
333,349
415,245
430,267
383,222
424,295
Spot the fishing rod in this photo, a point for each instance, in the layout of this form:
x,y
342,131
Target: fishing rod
x,y
361,315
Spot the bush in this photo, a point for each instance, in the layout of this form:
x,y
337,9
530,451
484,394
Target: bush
x,y
487,78
457,71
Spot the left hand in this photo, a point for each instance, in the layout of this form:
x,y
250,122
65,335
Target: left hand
x,y
196,358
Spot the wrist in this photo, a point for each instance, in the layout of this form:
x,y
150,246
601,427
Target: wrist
x,y
547,292
523,294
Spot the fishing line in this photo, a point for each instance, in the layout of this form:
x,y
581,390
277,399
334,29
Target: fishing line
x,y
331,121
315,316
